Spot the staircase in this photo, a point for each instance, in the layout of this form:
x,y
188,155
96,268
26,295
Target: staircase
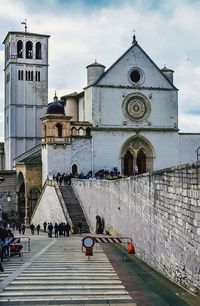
x,y
74,209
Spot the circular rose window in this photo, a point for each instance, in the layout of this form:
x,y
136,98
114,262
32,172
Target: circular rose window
x,y
136,107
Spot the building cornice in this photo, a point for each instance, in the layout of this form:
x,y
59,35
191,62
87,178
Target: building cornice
x,y
132,129
25,63
24,34
133,87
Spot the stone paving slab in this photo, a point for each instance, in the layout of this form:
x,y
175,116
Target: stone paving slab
x,y
93,282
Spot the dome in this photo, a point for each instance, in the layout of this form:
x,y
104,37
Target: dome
x,y
55,107
95,64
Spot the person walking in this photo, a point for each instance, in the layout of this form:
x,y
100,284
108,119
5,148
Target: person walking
x,y
67,229
1,256
19,228
45,226
23,228
32,227
50,229
38,229
80,227
56,228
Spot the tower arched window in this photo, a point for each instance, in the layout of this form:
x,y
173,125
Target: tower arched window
x,y
87,131
37,76
45,131
38,50
80,132
74,131
59,129
20,75
29,49
20,49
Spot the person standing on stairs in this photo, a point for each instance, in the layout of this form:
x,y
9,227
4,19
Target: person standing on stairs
x,y
67,229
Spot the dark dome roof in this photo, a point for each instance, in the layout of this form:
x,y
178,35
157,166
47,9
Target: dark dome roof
x,y
55,108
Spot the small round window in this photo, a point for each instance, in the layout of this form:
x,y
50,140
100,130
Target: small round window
x,y
136,76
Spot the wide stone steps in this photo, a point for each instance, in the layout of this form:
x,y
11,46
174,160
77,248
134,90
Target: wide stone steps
x,y
75,210
12,264
62,275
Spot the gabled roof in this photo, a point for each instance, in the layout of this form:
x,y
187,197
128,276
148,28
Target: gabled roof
x,y
133,46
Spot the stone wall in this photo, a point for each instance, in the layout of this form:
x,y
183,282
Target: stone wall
x,y
8,183
159,211
51,206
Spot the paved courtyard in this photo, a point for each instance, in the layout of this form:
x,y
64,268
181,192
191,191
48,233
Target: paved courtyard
x,y
57,272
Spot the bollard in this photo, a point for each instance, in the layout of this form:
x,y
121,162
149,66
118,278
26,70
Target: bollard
x,y
131,248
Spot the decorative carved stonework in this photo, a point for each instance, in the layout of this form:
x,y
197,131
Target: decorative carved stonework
x,y
136,145
136,107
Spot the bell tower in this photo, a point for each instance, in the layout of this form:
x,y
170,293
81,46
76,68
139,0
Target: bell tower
x,y
26,92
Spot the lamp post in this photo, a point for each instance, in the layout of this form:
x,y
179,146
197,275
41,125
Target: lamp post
x,y
8,196
2,179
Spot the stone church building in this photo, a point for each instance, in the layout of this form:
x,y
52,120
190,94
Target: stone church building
x,y
126,117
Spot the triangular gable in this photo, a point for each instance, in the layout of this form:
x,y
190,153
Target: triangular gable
x,y
135,44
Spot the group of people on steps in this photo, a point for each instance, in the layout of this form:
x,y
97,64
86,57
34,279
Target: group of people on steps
x,y
56,229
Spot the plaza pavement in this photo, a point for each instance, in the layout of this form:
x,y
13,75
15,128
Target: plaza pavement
x,y
56,272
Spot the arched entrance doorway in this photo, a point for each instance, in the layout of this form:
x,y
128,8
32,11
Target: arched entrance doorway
x,y
33,197
128,163
21,197
137,156
74,169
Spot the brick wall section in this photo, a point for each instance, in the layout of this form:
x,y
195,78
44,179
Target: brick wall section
x,y
159,211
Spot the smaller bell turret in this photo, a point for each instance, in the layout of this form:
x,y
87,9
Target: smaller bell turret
x,y
94,71
169,73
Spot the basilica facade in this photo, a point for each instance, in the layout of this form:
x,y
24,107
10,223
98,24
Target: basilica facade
x,y
126,118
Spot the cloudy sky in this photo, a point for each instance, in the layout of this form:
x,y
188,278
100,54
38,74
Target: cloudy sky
x,y
84,30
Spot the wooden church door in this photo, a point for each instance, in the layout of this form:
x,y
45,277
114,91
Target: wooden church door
x,y
141,162
128,163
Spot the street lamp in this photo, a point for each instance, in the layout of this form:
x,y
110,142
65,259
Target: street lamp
x,y
8,196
